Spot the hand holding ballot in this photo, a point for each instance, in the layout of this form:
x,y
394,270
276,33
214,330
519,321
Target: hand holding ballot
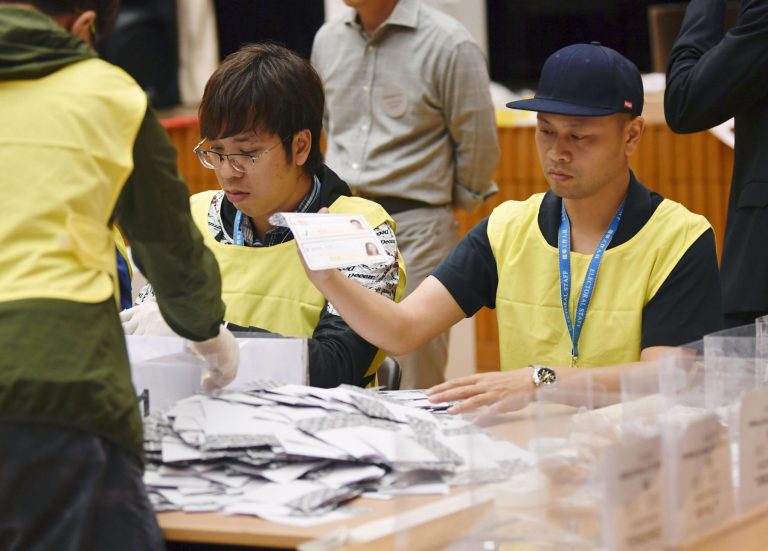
x,y
333,240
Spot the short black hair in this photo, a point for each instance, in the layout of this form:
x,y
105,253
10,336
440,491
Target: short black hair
x,y
265,86
106,10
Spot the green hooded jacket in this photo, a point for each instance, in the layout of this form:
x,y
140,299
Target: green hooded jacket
x,y
63,362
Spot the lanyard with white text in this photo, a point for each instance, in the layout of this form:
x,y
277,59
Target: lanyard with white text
x,y
238,231
564,244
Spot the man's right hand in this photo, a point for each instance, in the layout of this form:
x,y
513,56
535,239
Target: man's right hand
x,y
222,354
502,391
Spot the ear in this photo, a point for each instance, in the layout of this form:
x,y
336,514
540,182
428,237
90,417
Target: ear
x,y
84,26
302,145
633,133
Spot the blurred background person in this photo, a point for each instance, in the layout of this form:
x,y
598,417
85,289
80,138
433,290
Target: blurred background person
x,y
410,125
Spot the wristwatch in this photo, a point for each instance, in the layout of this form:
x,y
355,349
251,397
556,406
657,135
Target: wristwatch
x,y
543,376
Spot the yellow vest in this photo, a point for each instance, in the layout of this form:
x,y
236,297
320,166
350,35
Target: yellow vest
x,y
267,287
532,327
67,174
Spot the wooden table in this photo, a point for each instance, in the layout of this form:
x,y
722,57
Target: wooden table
x,y
244,530
747,533
694,170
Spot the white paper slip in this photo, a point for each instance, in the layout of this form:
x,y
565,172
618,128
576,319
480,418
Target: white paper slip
x,y
342,476
271,359
154,478
175,450
426,489
286,515
333,240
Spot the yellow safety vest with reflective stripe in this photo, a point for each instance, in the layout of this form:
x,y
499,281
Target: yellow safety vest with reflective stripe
x,y
68,176
532,328
267,287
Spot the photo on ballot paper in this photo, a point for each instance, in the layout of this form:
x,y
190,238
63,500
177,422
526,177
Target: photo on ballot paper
x,y
334,240
341,252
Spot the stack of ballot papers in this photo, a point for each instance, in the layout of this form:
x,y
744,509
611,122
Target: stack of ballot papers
x,y
296,454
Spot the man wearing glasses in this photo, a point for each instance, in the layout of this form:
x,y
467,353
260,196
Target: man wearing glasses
x,y
260,118
80,150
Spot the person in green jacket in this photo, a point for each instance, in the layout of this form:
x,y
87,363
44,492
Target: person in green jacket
x,y
80,151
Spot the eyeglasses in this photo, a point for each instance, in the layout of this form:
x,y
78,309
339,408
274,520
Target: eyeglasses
x,y
241,162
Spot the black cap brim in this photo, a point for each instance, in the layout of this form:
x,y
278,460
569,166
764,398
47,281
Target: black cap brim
x,y
557,107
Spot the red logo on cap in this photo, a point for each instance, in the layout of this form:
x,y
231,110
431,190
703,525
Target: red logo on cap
x,y
627,104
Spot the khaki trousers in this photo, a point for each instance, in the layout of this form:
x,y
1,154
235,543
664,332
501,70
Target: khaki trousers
x,y
425,236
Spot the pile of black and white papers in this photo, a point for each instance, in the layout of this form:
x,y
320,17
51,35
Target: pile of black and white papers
x,y
296,454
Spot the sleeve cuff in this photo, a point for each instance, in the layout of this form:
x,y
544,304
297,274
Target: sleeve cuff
x,y
469,200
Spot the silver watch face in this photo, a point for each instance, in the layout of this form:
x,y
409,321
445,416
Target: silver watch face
x,y
543,375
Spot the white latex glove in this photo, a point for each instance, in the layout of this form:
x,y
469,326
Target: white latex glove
x,y
145,319
222,354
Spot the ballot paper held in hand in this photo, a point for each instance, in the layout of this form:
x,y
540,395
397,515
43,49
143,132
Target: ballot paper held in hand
x,y
333,240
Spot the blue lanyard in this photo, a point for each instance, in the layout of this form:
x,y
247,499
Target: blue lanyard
x,y
238,231
564,241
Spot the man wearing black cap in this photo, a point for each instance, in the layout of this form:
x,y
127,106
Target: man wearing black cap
x,y
536,261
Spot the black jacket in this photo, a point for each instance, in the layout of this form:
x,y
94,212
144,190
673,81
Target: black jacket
x,y
713,76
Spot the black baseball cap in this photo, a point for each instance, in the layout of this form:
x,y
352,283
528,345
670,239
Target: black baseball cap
x,y
586,80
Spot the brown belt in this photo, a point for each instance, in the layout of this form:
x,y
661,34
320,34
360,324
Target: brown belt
x,y
395,205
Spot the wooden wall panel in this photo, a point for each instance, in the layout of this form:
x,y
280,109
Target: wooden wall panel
x,y
693,169
184,133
